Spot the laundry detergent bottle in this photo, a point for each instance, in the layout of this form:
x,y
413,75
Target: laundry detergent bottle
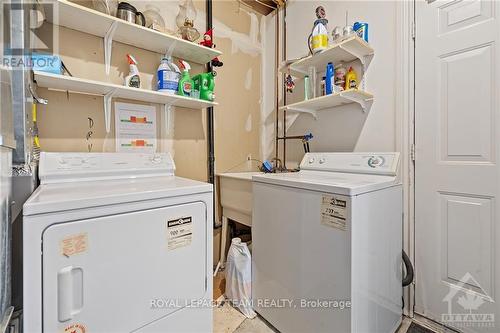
x,y
185,83
168,76
318,39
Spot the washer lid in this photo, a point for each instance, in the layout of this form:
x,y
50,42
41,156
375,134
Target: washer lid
x,y
329,182
65,196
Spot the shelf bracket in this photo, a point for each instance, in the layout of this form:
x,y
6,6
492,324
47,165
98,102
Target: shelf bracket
x,y
108,45
294,109
167,108
107,109
365,59
365,104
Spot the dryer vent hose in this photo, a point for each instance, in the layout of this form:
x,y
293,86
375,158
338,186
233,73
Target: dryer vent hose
x,y
408,278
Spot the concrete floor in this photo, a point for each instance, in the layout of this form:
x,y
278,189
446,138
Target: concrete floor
x,y
229,320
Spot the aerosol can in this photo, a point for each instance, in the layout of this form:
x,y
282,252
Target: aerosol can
x,y
204,84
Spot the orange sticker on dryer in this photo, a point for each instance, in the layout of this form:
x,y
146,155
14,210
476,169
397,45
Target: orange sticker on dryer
x,y
74,244
75,328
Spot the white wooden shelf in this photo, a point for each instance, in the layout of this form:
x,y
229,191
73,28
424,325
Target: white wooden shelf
x,y
313,105
80,18
111,90
346,51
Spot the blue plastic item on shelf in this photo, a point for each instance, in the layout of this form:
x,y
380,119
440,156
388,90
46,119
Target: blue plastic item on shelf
x,y
329,79
361,30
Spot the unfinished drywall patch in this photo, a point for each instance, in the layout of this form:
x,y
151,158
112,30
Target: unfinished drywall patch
x,y
247,43
248,123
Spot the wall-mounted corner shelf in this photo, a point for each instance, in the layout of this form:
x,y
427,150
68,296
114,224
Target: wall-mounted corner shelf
x,y
348,50
111,90
313,105
80,18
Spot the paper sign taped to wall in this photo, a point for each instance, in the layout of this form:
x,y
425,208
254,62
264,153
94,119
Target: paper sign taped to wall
x,y
135,128
334,212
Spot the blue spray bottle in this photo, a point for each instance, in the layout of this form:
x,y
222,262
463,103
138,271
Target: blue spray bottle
x,y
330,72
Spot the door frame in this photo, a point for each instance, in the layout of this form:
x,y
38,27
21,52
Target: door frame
x,y
405,131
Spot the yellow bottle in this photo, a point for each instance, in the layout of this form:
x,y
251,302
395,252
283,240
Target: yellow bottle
x,y
351,80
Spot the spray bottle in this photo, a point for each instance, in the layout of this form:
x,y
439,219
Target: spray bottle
x,y
185,83
168,76
132,79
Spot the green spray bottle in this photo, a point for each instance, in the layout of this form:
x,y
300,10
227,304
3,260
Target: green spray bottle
x,y
185,83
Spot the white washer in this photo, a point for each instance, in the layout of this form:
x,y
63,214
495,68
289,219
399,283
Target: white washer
x,y
116,243
325,236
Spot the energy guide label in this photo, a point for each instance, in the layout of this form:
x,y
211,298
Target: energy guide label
x,y
334,212
179,232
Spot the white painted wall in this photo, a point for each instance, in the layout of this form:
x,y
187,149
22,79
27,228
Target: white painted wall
x,y
344,128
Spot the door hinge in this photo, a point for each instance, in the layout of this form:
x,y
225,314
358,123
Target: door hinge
x,y
413,152
413,30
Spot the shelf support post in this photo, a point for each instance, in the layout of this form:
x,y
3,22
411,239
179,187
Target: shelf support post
x,y
108,45
107,109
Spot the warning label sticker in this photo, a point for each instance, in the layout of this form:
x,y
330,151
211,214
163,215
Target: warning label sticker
x,y
75,328
179,232
334,212
74,244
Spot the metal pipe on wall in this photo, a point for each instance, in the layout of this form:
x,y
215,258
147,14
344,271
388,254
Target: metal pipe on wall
x,y
283,58
210,119
276,85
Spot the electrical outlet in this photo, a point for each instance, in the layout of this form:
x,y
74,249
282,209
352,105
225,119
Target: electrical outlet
x,y
249,157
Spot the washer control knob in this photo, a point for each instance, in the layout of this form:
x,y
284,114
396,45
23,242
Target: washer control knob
x,y
322,160
311,160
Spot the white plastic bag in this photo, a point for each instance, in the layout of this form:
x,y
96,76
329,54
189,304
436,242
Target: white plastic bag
x,y
239,277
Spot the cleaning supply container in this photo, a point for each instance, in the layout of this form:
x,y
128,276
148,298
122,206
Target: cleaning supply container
x,y
361,30
185,83
351,80
168,76
329,79
204,85
318,39
132,79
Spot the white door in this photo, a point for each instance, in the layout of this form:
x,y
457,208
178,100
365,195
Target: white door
x,y
122,272
457,214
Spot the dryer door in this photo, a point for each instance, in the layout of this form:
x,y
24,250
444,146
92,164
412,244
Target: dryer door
x,y
121,272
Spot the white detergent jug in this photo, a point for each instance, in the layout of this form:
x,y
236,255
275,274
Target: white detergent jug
x,y
318,39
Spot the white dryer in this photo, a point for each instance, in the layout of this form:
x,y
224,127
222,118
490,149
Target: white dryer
x,y
327,244
116,243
